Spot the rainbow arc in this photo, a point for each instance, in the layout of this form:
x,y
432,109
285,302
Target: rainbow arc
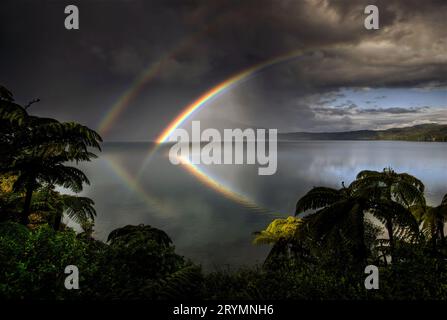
x,y
188,112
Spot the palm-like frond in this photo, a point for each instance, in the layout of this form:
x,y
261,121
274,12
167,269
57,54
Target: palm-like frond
x,y
5,94
412,180
68,177
431,219
78,209
317,198
36,149
69,134
65,176
366,174
406,225
277,230
329,220
408,194
401,187
12,112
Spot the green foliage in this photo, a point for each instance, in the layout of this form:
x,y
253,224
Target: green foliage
x,y
140,263
32,262
418,277
238,285
277,230
185,283
47,205
52,205
293,283
432,220
128,234
10,202
283,234
419,274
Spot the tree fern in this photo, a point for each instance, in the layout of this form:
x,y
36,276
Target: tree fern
x,y
37,149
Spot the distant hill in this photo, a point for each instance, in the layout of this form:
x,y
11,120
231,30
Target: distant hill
x,y
423,132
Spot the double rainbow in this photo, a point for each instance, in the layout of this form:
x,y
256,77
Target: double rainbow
x,y
187,113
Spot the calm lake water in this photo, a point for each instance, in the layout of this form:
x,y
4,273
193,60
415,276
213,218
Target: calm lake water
x,y
211,215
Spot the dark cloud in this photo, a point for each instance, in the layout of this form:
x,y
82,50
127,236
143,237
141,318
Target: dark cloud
x,y
394,110
353,109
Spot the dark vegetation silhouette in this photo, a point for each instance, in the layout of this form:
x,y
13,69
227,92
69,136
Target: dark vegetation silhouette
x,y
36,151
380,218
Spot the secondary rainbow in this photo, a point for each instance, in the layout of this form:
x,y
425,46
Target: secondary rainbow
x,y
132,92
152,203
148,74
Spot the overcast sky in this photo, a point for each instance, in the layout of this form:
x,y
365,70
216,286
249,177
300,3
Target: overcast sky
x,y
350,78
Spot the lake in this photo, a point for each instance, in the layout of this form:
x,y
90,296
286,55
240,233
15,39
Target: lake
x,y
211,212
